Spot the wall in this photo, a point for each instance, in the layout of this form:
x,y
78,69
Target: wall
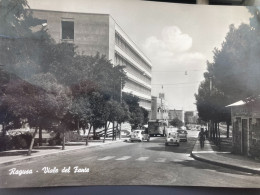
x,y
91,31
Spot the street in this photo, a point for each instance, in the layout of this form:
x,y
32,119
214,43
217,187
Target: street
x,y
125,163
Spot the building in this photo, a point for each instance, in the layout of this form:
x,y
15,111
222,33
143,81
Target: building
x,y
190,117
245,117
159,109
179,114
94,33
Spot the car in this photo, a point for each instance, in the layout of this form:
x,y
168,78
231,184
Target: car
x,y
172,138
139,135
182,135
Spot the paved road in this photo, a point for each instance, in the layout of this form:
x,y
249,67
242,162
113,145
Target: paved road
x,y
146,163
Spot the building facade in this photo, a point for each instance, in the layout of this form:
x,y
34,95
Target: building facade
x,y
245,116
159,109
93,33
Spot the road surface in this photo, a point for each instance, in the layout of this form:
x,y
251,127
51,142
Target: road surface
x,y
125,163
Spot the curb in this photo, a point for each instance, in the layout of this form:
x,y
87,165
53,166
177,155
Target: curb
x,y
55,153
222,164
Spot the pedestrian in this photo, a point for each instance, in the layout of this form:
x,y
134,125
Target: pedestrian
x,y
202,137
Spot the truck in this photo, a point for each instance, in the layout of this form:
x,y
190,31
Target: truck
x,y
156,128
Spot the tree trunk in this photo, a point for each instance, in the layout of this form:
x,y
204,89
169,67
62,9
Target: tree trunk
x,y
3,135
94,131
116,128
3,129
105,133
227,129
63,140
213,131
210,131
120,131
113,130
32,142
78,126
40,136
88,135
216,131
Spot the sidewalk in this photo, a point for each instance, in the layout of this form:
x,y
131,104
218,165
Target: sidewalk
x,y
211,154
14,156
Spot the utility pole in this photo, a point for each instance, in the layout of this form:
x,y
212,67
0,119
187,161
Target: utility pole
x,y
210,121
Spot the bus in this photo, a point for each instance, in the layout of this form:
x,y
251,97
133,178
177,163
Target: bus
x,y
156,128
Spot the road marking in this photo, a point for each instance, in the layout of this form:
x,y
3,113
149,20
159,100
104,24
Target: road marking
x,y
107,158
124,158
160,160
177,160
142,158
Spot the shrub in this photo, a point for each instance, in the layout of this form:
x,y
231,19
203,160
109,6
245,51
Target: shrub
x,y
56,140
52,142
5,143
22,141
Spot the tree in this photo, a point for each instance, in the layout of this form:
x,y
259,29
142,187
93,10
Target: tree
x,y
234,72
138,115
176,122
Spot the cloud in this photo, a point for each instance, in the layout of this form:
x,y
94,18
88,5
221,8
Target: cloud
x,y
172,49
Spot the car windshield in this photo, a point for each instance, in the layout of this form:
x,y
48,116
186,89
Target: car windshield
x,y
181,131
172,135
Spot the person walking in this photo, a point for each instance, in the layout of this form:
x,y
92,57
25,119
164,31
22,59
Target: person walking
x,y
201,137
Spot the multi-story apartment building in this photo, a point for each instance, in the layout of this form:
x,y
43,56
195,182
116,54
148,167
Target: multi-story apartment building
x,y
94,33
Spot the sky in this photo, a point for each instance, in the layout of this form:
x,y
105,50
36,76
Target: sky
x,y
177,38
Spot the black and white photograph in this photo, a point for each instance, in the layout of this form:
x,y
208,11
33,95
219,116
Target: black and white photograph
x,y
129,93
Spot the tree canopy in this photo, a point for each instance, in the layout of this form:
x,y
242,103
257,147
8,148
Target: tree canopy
x,y
51,85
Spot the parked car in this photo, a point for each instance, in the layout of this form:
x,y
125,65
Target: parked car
x,y
172,138
139,135
182,135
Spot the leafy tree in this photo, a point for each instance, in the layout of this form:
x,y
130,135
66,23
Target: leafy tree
x,y
138,115
234,72
176,122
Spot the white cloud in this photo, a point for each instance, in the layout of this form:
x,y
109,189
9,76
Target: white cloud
x,y
174,40
172,50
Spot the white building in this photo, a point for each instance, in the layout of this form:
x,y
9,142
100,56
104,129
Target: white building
x,y
94,33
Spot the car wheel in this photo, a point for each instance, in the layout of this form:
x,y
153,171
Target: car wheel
x,y
148,139
132,141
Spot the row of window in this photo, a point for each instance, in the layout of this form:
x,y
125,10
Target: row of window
x,y
131,69
120,42
146,104
138,88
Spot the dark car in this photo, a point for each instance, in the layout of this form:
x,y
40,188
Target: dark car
x,y
182,135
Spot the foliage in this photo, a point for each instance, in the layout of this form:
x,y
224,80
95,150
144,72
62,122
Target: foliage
x,y
176,122
234,71
138,115
22,141
51,86
5,143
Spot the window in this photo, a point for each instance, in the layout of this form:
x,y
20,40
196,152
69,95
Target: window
x,y
67,30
